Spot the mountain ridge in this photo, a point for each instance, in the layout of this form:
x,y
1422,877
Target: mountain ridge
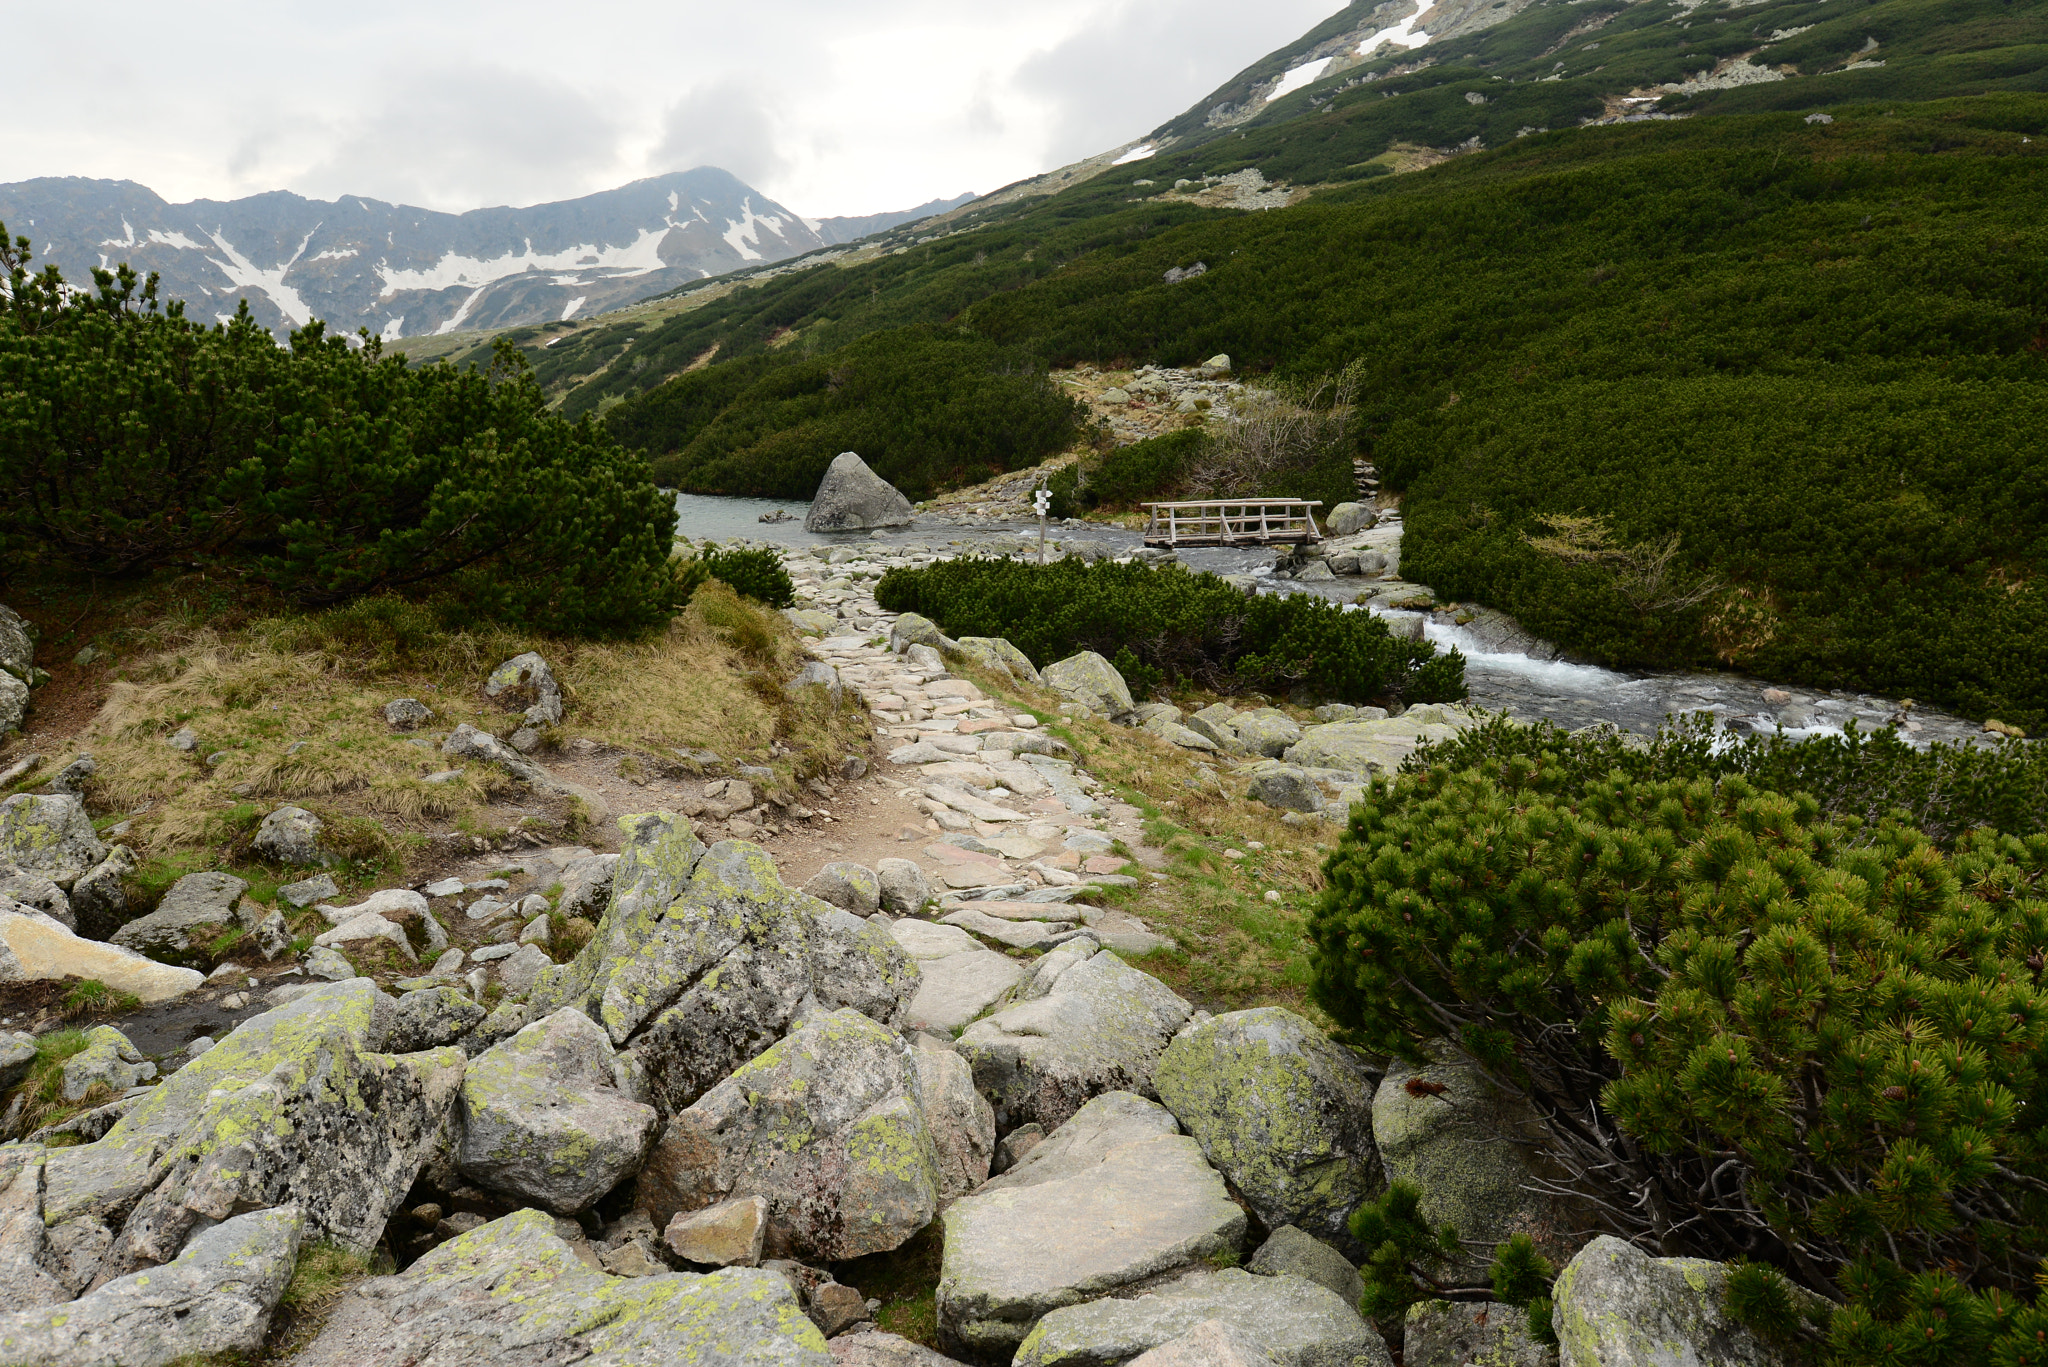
x,y
403,271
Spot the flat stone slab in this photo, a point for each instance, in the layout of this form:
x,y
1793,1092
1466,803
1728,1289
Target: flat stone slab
x,y
1299,1324
958,978
1116,1195
1016,934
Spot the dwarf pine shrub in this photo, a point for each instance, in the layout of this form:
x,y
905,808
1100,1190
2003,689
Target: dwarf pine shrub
x,y
756,573
1752,1032
1167,625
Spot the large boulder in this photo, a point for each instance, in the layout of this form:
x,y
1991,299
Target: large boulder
x,y
1476,1155
17,645
199,909
37,948
1212,1343
1293,1252
1114,1197
543,1121
1283,1111
704,958
432,1018
1457,1333
296,1107
828,1125
1348,519
853,498
515,1291
962,1123
1091,681
1288,789
1616,1306
1268,731
1299,1324
13,703
99,899
49,835
996,652
587,885
215,1297
1083,1023
911,629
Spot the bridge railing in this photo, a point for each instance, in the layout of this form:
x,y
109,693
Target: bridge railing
x,y
1233,522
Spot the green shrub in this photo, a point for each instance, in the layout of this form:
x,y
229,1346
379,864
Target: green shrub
x,y
927,408
132,437
756,573
1814,1043
1165,624
1943,790
1144,470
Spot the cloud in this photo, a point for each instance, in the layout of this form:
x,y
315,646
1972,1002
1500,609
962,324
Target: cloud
x,y
465,136
723,125
1141,62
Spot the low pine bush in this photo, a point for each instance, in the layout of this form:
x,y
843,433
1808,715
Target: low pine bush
x,y
132,437
756,573
1752,1031
1166,625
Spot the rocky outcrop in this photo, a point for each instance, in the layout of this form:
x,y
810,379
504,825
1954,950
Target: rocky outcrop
x,y
199,909
1616,1306
296,1107
705,958
1298,1323
853,498
542,1120
828,1126
1113,1197
49,835
962,1123
1083,1023
34,947
1091,681
525,684
215,1297
514,1291
1476,1156
996,653
1285,1114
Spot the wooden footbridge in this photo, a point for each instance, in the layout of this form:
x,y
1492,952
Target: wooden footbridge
x,y
1233,522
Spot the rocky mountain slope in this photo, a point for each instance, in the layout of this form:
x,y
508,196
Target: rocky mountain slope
x,y
402,271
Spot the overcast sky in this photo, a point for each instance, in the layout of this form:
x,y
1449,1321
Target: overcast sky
x,y
830,107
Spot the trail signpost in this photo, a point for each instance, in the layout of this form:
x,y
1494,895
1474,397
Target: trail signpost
x,y
1041,500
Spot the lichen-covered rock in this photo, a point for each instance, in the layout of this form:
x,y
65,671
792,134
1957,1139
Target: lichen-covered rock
x,y
17,645
1295,1252
514,1291
998,654
1288,789
827,1125
904,887
291,835
216,1296
199,909
853,498
1283,1111
872,1348
17,1056
406,714
523,968
704,958
233,1129
845,884
543,1121
37,893
27,1262
432,1018
1471,1334
34,948
99,902
1091,681
1299,1324
108,1060
1475,1154
962,1123
911,629
1616,1306
1115,1196
49,835
1084,1022
1346,519
1267,731
587,885
525,684
14,698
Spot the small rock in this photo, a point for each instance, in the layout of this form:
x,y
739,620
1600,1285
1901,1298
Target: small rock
x,y
1289,790
307,891
520,971
406,714
725,1235
1015,1145
182,739
903,885
323,962
291,835
633,1258
853,887
835,1308
524,683
107,1060
1292,1250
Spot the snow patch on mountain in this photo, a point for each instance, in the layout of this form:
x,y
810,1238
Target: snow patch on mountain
x,y
743,234
1403,34
246,274
1300,76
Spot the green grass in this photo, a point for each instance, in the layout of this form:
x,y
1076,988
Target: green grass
x,y
91,997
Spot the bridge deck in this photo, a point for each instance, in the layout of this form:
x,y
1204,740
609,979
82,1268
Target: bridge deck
x,y
1233,522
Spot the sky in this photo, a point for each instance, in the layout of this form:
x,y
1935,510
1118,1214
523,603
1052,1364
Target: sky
x,y
829,106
